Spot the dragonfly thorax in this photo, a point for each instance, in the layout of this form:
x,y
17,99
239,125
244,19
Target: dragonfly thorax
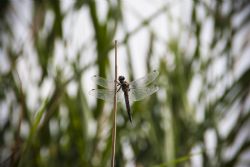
x,y
124,85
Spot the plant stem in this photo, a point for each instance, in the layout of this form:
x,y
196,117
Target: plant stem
x,y
114,110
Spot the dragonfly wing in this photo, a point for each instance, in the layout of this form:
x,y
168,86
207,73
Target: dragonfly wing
x,y
106,94
142,92
103,82
140,82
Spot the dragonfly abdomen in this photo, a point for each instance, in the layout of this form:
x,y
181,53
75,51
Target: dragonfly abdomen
x,y
127,106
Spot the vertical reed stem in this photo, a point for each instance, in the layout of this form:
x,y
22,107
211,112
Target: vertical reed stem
x,y
114,110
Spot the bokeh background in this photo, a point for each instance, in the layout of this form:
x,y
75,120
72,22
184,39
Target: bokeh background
x,y
49,50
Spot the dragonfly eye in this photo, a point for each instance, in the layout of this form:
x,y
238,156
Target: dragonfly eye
x,y
121,78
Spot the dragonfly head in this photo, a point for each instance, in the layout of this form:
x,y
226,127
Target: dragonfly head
x,y
121,78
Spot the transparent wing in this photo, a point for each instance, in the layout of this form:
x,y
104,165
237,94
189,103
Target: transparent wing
x,y
103,82
106,94
140,82
140,93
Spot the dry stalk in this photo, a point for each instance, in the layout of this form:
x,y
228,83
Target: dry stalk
x,y
114,110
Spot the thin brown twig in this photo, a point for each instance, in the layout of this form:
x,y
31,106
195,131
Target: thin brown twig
x,y
114,111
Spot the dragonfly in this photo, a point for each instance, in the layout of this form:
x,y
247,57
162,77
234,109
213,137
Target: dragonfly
x,y
129,91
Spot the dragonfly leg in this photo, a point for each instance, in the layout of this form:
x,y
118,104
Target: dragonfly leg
x,y
119,89
118,83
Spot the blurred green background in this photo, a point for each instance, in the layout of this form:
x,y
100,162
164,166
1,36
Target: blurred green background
x,y
50,49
